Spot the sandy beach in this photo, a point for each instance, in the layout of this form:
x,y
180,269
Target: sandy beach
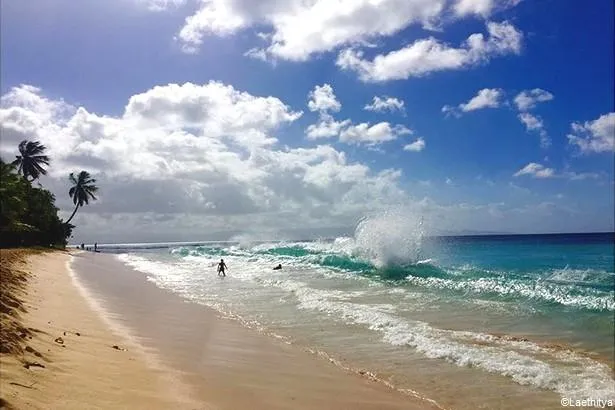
x,y
100,342
82,369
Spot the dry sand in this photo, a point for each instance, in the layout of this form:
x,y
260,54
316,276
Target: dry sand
x,y
223,365
81,370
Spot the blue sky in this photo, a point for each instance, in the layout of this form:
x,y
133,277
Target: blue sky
x,y
97,55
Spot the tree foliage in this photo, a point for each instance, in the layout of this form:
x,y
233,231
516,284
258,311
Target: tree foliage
x,y
82,191
30,162
28,215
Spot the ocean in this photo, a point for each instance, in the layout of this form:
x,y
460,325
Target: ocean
x,y
514,315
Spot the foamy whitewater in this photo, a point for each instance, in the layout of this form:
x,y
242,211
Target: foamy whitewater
x,y
533,311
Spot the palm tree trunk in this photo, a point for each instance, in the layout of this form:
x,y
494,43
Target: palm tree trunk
x,y
74,212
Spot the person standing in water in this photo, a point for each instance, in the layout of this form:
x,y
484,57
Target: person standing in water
x,y
222,267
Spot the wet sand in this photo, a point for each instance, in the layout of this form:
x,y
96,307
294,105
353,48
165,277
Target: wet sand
x,y
172,353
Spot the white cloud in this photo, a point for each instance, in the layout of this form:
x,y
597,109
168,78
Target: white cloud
x,y
417,146
327,127
485,98
195,162
540,171
381,104
256,53
483,8
533,123
429,55
296,29
301,29
365,134
161,5
527,99
581,176
196,158
322,99
535,170
594,136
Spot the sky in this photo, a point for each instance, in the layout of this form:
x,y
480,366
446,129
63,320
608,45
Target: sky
x,y
208,119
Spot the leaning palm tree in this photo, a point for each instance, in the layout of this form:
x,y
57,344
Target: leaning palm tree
x,y
82,190
30,162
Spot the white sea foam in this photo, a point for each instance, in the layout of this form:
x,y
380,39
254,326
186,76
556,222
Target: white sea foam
x,y
589,299
582,377
526,363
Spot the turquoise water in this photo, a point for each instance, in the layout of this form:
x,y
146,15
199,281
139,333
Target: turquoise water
x,y
529,312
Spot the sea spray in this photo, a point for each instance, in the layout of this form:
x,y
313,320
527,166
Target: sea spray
x,y
392,237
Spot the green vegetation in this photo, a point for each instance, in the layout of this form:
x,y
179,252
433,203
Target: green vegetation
x,y
30,162
82,190
28,215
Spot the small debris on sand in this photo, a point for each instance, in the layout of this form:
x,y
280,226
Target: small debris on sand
x,y
116,347
27,365
59,340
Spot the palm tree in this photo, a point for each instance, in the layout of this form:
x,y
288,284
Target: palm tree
x,y
82,190
30,162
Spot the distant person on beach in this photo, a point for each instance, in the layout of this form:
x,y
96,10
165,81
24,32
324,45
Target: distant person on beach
x,y
82,246
278,267
222,267
96,247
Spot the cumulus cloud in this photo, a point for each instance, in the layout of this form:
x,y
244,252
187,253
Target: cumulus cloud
x,y
382,104
197,157
300,29
355,134
535,170
417,146
528,99
322,99
430,55
485,98
326,127
296,30
531,122
482,8
594,136
365,133
194,162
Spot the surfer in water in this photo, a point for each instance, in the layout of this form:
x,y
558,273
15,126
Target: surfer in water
x,y
221,268
278,267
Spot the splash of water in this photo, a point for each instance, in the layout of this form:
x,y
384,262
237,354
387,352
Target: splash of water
x,y
392,237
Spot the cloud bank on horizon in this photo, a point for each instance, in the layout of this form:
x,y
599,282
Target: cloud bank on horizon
x,y
388,103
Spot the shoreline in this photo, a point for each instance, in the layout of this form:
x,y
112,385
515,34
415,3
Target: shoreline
x,y
223,364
